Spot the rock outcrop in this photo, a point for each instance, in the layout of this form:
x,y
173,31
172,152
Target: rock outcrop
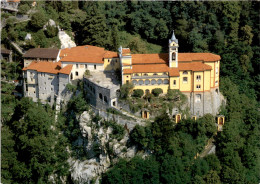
x,y
89,170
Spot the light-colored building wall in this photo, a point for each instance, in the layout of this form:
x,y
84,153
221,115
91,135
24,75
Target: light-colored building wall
x,y
63,81
186,86
78,69
48,86
174,82
111,64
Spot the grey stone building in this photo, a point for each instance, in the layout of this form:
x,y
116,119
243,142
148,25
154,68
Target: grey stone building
x,y
45,80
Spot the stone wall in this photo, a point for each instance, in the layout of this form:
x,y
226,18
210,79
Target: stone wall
x,y
98,96
209,102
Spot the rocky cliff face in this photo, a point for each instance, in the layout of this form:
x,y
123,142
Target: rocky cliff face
x,y
102,149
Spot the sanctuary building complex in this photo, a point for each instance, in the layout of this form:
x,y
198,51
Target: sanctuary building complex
x,y
194,74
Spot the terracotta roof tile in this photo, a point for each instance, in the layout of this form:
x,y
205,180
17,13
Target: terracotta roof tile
x,y
48,67
194,66
126,51
164,57
85,54
66,70
152,68
155,68
110,54
198,57
45,53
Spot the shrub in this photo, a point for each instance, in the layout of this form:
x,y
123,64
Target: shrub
x,y
125,90
138,93
157,91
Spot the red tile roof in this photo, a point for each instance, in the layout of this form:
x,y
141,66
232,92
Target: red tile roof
x,y
194,66
152,68
198,57
110,54
155,68
66,70
86,54
164,57
126,51
48,67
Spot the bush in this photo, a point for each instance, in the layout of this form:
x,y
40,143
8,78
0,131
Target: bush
x,y
138,93
125,90
157,91
118,130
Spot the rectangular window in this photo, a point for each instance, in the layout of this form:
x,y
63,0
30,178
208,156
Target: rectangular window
x,y
198,87
216,83
77,65
174,82
185,80
216,70
198,98
198,77
86,66
127,81
95,67
77,73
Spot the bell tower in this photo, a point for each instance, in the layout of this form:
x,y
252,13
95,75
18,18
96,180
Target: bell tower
x,y
173,51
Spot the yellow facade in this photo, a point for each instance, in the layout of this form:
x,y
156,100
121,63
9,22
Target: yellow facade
x,y
186,85
174,82
111,64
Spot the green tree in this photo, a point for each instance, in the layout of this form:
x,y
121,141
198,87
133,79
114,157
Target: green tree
x,y
137,46
157,91
138,93
38,20
23,9
125,90
95,29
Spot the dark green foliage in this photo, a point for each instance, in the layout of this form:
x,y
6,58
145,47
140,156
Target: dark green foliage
x,y
157,91
118,130
78,104
51,31
39,149
23,9
125,90
138,93
38,20
95,28
138,170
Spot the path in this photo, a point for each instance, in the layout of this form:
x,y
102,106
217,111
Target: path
x,y
209,149
19,49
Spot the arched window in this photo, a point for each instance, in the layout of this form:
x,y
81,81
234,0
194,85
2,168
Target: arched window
x,y
100,96
185,79
147,82
134,82
155,74
145,74
185,73
105,99
173,56
77,73
165,73
198,87
153,82
136,74
140,82
159,81
166,81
